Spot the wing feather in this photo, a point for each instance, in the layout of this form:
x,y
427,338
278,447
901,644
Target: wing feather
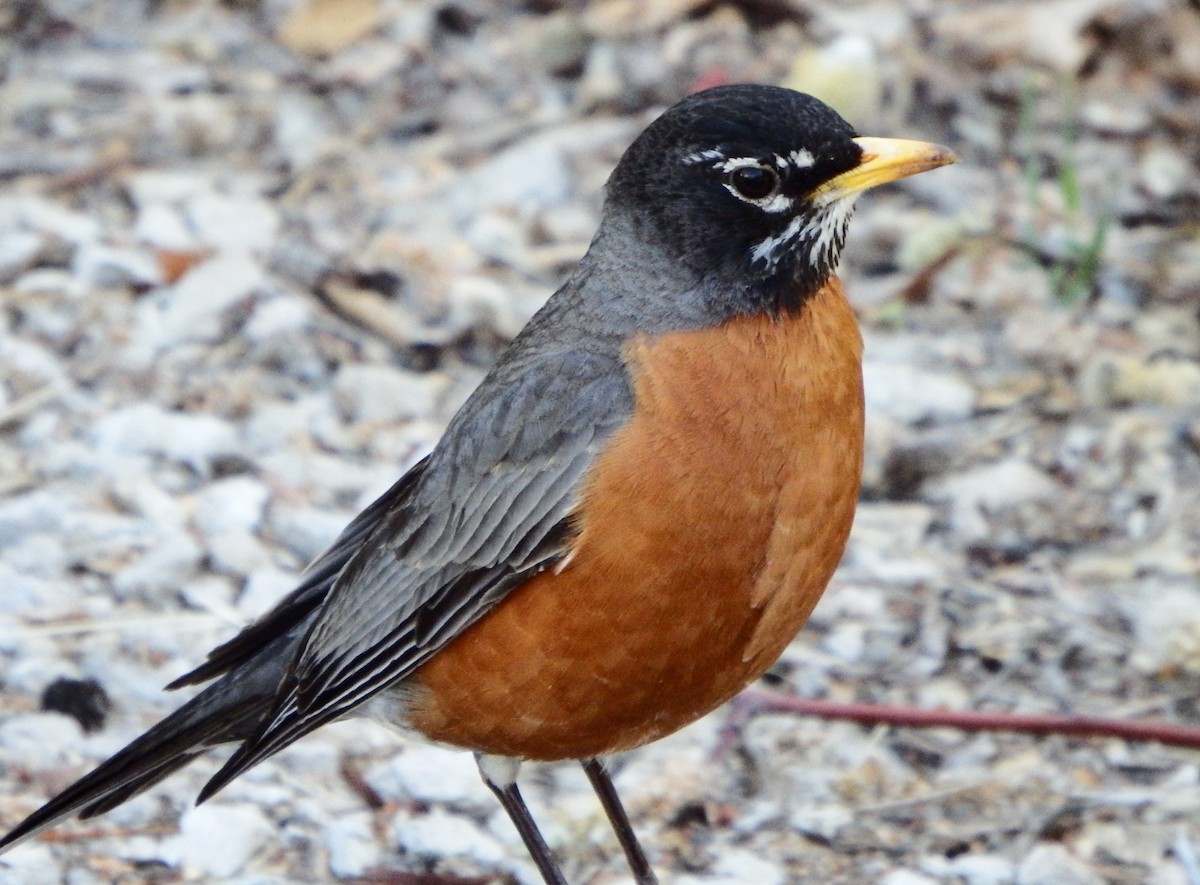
x,y
491,509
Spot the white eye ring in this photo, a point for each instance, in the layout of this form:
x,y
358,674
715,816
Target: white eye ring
x,y
753,181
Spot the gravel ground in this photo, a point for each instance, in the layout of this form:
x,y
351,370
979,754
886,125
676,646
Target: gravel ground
x,y
254,254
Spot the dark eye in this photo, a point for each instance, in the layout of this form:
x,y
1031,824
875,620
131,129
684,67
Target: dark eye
x,y
754,182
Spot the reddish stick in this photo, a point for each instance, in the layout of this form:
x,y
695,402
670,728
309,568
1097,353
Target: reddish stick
x,y
1024,723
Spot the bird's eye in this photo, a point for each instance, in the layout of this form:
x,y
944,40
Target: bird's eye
x,y
754,182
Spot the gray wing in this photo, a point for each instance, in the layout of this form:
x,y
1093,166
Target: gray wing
x,y
298,606
491,509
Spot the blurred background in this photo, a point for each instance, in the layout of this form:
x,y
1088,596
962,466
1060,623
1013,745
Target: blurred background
x,y
254,254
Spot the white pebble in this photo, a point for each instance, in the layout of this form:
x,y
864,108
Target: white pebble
x,y
530,175
237,552
195,440
278,316
235,223
913,396
1054,865
383,395
98,266
307,530
739,865
17,249
232,504
49,217
193,309
30,864
264,587
352,846
219,840
160,186
163,226
42,739
161,569
428,773
906,877
439,834
975,493
984,869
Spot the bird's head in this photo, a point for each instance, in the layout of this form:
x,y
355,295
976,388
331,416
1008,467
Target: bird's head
x,y
755,185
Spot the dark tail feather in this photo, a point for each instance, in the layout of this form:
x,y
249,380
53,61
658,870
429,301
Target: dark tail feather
x,y
229,710
146,781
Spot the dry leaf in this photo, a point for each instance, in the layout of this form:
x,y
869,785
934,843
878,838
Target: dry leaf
x,y
323,27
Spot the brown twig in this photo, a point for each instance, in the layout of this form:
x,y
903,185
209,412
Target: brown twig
x,y
750,703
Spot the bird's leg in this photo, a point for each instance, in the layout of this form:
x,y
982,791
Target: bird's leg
x,y
603,785
500,775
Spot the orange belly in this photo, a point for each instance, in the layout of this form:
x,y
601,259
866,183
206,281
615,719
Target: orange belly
x,y
708,530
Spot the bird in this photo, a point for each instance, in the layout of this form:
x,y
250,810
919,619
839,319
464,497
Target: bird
x,y
630,517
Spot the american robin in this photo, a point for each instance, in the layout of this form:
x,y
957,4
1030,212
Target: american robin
x,y
627,521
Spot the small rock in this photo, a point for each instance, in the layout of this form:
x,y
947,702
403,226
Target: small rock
x,y
353,849
307,530
822,821
210,593
427,773
846,74
739,865
1164,172
98,266
914,396
977,493
439,835
233,223
383,395
983,869
24,592
49,217
906,877
1112,379
1125,118
264,587
84,700
236,553
30,513
846,641
218,840
1051,34
1167,626
49,281
278,316
42,739
193,309
31,864
17,250
157,186
163,226
234,504
145,428
1054,865
161,569
528,176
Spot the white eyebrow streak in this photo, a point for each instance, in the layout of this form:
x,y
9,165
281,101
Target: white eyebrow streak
x,y
802,159
703,156
738,163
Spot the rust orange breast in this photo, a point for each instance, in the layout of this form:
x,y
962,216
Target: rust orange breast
x,y
708,530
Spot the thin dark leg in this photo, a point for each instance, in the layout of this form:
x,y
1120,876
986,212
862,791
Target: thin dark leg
x,y
603,785
518,812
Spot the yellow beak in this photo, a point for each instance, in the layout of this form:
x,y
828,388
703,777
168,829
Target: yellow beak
x,y
884,160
